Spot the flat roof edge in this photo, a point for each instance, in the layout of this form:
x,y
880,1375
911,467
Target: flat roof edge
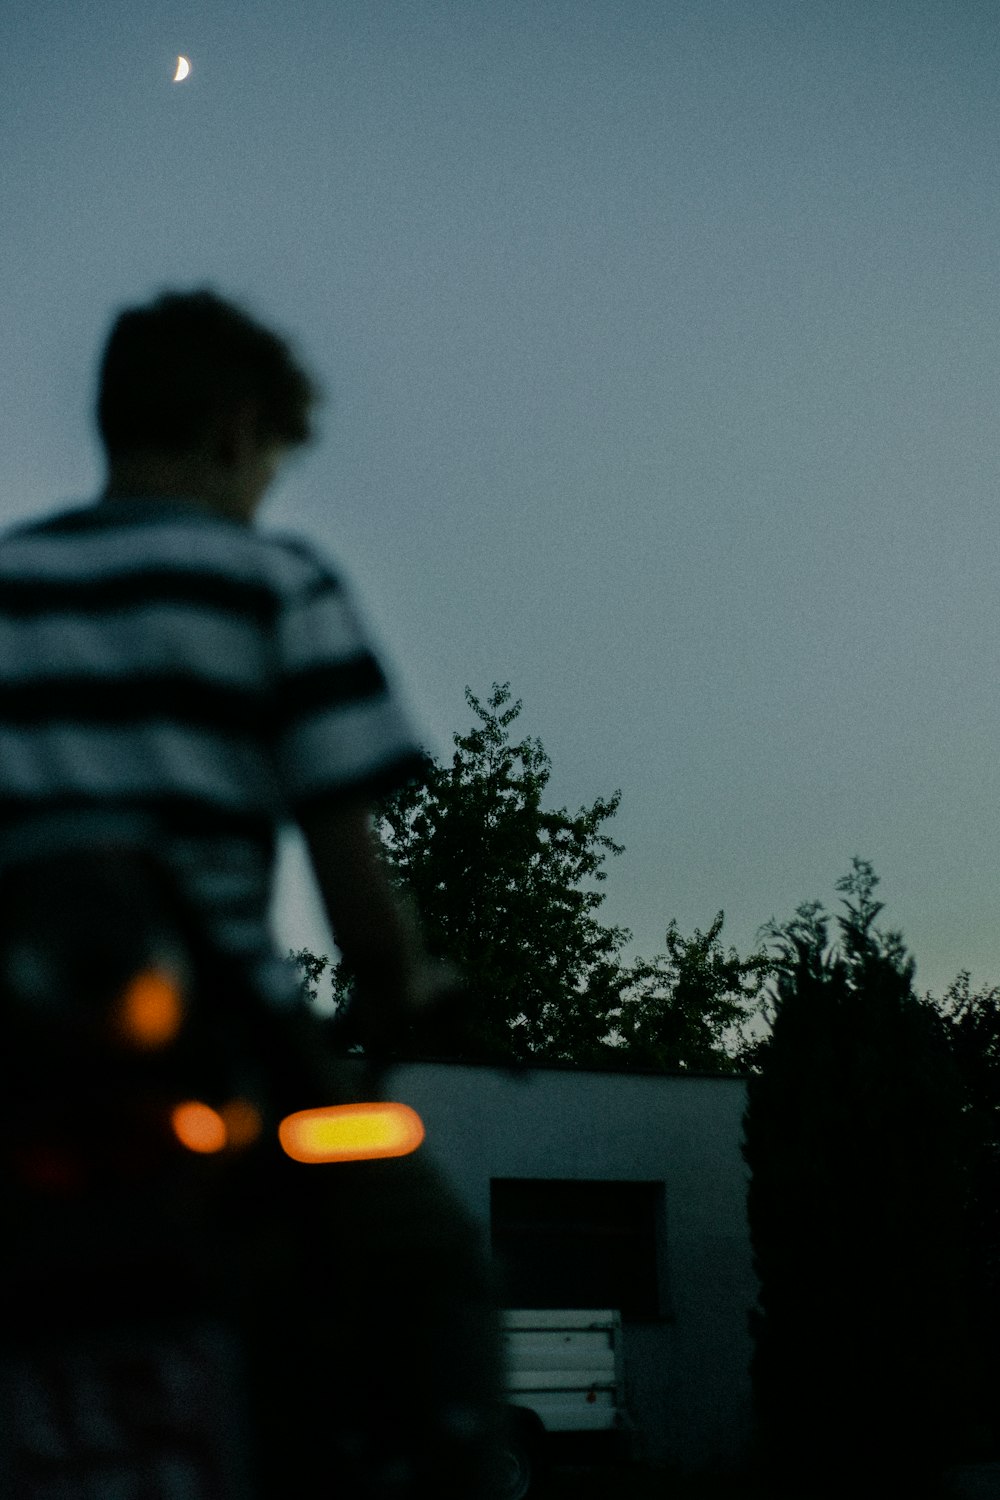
x,y
515,1068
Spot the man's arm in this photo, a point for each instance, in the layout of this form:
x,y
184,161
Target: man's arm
x,y
376,932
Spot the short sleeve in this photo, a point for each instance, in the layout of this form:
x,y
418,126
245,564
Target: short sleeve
x,y
340,730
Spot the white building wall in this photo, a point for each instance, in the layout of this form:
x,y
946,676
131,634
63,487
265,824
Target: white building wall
x,y
688,1371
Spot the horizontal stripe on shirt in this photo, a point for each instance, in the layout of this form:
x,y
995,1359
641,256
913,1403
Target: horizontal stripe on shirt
x,y
143,760
158,537
329,689
157,635
30,596
97,814
184,699
179,701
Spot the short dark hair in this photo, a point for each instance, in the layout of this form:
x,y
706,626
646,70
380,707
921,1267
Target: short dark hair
x,y
170,368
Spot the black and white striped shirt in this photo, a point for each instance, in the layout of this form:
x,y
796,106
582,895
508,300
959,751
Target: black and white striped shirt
x,y
161,662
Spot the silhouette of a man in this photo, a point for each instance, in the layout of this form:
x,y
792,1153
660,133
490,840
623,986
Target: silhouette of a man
x,y
161,657
171,675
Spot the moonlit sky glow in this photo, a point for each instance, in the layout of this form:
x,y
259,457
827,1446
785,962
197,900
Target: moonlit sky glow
x,y
663,347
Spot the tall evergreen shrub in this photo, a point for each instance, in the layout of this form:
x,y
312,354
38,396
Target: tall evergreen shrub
x,y
854,1136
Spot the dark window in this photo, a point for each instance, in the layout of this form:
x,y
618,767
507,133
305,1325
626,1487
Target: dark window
x,y
578,1244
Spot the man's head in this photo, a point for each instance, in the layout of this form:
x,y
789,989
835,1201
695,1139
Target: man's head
x,y
196,396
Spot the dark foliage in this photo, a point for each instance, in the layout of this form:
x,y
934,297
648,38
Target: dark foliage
x,y
855,1136
508,891
972,1025
690,1007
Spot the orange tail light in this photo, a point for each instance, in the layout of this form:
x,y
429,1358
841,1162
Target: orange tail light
x,y
351,1132
150,1010
205,1130
199,1127
243,1123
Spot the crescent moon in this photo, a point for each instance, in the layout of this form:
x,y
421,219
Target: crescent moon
x,y
183,69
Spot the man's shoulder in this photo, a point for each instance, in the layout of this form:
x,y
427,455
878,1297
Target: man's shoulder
x,y
299,568
171,534
65,520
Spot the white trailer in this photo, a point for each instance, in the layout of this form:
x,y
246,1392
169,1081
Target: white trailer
x,y
564,1373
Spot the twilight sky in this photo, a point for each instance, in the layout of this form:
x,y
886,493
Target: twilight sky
x,y
663,343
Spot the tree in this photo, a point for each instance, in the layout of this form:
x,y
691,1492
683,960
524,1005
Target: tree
x,y
854,1136
502,886
680,1010
508,891
972,1025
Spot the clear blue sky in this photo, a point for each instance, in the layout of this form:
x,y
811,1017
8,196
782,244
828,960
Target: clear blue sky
x,y
663,341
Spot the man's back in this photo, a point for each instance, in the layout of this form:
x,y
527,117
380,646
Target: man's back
x,y
168,669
